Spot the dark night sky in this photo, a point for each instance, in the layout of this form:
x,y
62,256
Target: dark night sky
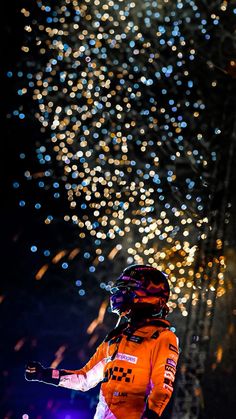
x,y
36,312
46,313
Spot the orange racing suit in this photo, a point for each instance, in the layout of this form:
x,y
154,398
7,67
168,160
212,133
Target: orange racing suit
x,y
135,366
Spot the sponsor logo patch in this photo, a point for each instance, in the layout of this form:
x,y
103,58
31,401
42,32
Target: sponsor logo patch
x,y
173,348
118,393
55,374
169,368
168,387
135,338
168,382
127,358
170,361
169,375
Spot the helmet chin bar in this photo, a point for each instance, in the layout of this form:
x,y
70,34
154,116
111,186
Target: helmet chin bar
x,y
121,302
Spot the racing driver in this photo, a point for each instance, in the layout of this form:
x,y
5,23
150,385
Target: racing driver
x,y
136,362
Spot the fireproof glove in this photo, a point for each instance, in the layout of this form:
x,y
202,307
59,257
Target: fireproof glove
x,y
34,371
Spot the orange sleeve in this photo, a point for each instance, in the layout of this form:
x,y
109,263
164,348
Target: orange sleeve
x,y
88,376
164,361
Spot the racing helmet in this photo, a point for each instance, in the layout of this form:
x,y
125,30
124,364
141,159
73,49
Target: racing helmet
x,y
140,287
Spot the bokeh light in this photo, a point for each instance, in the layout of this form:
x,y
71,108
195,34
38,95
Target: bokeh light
x,y
115,89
